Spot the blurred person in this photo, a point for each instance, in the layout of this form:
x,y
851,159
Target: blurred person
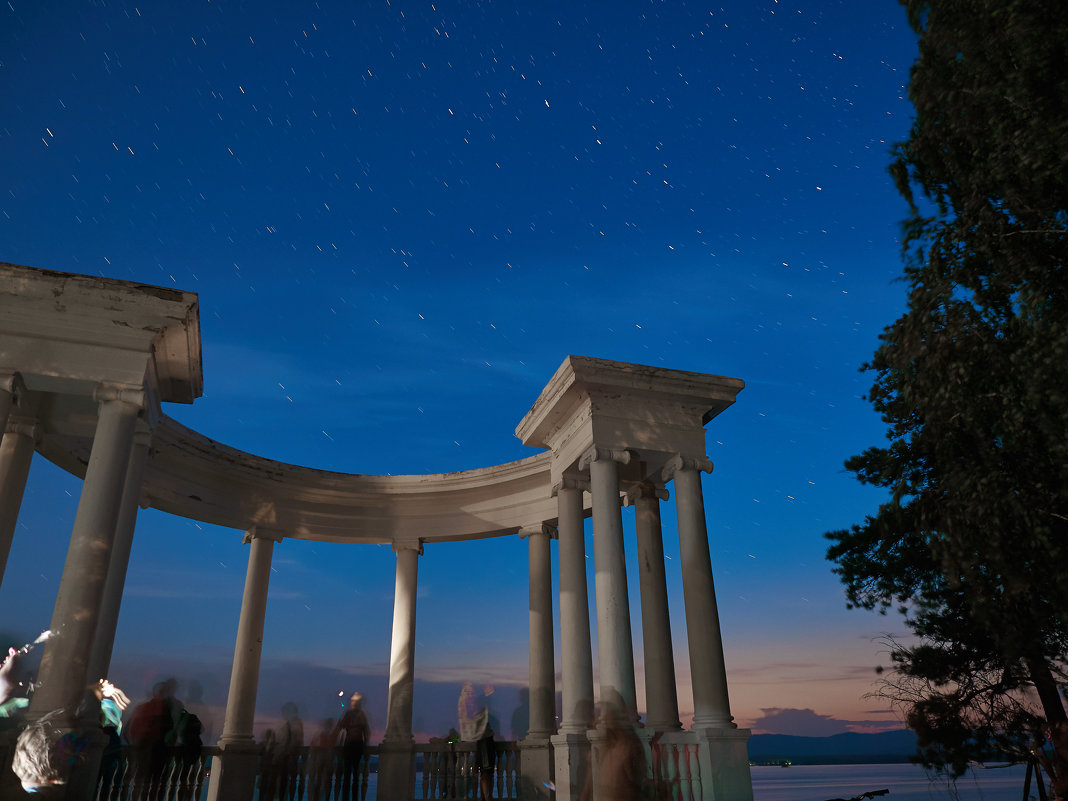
x,y
269,767
152,730
448,763
43,755
620,770
52,753
321,761
353,731
195,704
476,727
113,703
8,682
521,715
290,741
13,692
190,746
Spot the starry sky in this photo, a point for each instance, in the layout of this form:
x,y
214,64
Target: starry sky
x,y
400,217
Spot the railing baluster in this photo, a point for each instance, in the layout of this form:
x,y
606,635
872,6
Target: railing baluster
x,y
449,774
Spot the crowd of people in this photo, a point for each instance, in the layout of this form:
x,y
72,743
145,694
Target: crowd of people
x,y
336,751
157,753
61,753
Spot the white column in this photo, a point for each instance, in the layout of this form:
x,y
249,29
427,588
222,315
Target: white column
x,y
576,657
248,645
571,748
233,770
542,661
661,697
615,650
402,649
62,676
707,670
100,656
16,454
396,753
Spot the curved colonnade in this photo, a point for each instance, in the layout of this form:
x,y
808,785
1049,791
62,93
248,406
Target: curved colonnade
x,y
193,476
85,364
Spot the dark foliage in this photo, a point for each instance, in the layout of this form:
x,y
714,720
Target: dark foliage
x,y
972,382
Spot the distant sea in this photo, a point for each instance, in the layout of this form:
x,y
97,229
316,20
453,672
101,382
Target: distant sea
x,y
905,782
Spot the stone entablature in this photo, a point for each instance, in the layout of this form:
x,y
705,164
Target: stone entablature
x,y
192,476
66,333
653,412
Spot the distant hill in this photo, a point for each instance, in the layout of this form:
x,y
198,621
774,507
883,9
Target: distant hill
x,y
839,749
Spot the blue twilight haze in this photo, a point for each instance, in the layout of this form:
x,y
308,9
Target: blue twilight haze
x,y
400,217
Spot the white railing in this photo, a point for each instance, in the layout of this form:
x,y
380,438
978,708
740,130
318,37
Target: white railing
x,y
675,768
306,775
449,773
444,772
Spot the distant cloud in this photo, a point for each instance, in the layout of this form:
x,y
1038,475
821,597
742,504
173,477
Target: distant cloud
x,y
807,723
772,673
320,691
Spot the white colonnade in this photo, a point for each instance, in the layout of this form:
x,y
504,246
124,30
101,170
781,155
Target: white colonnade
x,y
619,431
609,431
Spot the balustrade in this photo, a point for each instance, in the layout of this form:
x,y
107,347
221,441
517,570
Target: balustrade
x,y
444,772
449,773
675,768
305,777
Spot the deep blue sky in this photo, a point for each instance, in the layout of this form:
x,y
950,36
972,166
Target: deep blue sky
x,y
400,217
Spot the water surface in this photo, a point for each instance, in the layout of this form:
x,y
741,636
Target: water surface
x,y
905,782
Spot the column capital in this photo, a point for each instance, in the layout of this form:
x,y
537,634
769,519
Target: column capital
x,y
126,393
645,489
571,483
538,528
26,428
408,544
258,533
678,462
596,454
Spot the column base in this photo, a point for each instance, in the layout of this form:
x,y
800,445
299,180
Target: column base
x,y
661,727
708,764
571,764
234,770
535,769
396,770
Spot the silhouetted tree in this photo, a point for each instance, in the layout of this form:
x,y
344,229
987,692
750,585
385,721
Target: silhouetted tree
x,y
972,381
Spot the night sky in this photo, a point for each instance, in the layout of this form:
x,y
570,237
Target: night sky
x,y
400,218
